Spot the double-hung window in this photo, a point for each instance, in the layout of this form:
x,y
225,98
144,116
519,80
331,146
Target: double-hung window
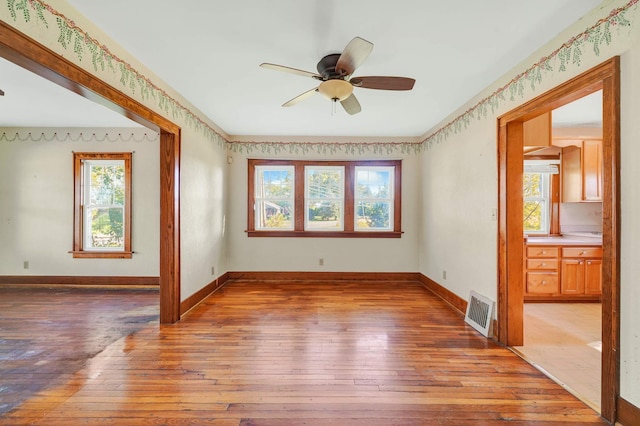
x,y
536,194
102,205
296,198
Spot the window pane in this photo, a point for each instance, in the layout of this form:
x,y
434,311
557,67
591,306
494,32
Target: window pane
x,y
105,228
373,183
373,215
534,215
532,185
274,182
324,215
274,215
324,183
107,184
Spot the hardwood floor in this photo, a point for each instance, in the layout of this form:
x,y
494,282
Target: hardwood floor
x,y
47,334
305,353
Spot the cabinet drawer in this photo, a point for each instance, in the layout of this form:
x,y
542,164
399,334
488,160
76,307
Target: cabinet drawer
x,y
582,252
547,264
533,251
542,283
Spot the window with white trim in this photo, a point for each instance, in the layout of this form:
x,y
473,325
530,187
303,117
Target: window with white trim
x,y
536,196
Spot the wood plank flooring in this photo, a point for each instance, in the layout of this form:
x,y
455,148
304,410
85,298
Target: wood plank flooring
x,y
305,353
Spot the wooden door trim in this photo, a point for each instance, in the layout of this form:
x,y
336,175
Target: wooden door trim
x,y
24,51
605,76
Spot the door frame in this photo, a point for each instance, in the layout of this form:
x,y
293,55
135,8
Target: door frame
x,y
24,51
605,77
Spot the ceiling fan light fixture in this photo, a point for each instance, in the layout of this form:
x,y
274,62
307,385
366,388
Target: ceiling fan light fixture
x,y
335,89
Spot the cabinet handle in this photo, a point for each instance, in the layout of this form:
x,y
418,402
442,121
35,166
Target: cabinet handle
x,y
542,252
542,264
589,263
581,262
582,253
543,282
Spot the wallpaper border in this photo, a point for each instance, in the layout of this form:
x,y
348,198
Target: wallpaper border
x,y
102,59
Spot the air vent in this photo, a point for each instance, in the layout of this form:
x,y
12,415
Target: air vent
x,y
480,313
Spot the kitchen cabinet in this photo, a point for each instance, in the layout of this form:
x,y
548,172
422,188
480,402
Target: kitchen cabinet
x,y
537,131
582,171
563,273
542,270
581,271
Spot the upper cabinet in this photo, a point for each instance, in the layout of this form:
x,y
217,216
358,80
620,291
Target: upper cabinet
x,y
582,171
537,131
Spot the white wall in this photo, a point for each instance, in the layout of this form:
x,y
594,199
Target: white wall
x,y
202,212
36,201
339,254
460,172
459,191
630,233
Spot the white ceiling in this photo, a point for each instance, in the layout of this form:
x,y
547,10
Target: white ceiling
x,y
210,51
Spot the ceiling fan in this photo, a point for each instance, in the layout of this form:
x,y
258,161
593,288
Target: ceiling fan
x,y
334,72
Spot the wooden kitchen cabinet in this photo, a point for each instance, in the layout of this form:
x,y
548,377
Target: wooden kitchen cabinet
x,y
592,170
581,272
537,131
563,273
542,270
582,171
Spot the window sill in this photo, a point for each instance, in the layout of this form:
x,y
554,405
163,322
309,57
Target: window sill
x,y
102,254
325,234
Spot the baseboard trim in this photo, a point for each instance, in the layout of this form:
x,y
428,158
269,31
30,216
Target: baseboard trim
x,y
73,280
197,297
628,414
451,298
329,276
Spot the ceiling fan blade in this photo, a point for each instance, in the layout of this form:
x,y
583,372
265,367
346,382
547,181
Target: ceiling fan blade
x,y
301,97
351,105
353,55
291,70
383,83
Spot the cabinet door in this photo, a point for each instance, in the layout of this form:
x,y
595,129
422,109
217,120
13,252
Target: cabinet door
x,y
593,276
537,131
572,276
592,170
571,174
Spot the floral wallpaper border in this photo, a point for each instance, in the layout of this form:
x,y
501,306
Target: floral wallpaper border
x,y
24,136
102,59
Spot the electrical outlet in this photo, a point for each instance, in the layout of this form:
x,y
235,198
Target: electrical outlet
x,y
213,270
321,262
494,214
444,274
25,264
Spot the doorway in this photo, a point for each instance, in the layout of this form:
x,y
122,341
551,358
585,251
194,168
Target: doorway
x,y
563,212
604,77
27,53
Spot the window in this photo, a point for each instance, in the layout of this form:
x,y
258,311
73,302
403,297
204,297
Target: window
x,y
324,198
537,202
274,197
102,205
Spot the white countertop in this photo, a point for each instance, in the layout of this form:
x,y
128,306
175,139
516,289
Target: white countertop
x,y
567,240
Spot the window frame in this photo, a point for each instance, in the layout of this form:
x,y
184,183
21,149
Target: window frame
x,y
79,159
349,230
545,198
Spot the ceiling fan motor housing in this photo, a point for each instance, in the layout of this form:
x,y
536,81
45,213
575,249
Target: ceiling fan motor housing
x,y
327,67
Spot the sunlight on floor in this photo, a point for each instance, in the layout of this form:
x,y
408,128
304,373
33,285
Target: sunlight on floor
x,y
563,339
